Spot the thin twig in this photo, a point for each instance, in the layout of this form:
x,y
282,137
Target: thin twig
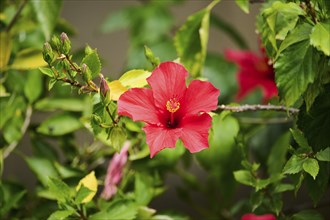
x,y
24,127
12,22
247,108
110,115
73,67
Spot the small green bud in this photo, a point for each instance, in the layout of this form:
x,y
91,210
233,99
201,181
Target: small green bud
x,y
86,73
66,44
151,57
104,91
117,137
88,50
48,53
56,42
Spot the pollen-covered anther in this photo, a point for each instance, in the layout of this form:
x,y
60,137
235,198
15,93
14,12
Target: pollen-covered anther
x,y
172,105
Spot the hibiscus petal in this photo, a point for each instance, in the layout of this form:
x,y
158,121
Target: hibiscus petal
x,y
159,138
138,104
251,216
195,132
200,97
244,59
168,81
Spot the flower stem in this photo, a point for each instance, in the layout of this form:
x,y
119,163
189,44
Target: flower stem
x,y
247,108
109,113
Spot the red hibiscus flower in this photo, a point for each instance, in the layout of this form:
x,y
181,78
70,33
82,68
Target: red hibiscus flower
x,y
254,71
251,216
170,109
114,172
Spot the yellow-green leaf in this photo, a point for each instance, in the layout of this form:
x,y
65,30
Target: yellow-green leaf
x,y
28,59
243,4
135,78
89,182
191,40
5,49
320,37
116,89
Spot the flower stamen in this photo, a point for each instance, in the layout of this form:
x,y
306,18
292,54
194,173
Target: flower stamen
x,y
172,105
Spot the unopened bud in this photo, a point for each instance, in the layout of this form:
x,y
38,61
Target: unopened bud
x,y
47,53
88,50
104,90
151,57
56,42
66,44
86,73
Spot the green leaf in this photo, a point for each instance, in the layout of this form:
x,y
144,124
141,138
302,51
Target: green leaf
x,y
283,187
317,187
320,37
28,59
66,171
82,193
191,40
222,74
47,13
307,215
61,214
311,166
276,203
294,70
93,62
298,34
134,78
294,165
59,189
59,124
5,49
316,123
117,137
47,71
323,155
245,177
223,156
256,200
143,188
51,83
299,137
33,86
120,209
12,202
145,212
275,22
243,4
277,156
43,168
90,182
65,104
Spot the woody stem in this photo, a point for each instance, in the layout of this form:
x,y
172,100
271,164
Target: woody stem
x,y
245,108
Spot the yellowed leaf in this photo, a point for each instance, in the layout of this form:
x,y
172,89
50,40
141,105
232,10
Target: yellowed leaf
x,y
116,89
28,59
5,49
89,182
135,78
